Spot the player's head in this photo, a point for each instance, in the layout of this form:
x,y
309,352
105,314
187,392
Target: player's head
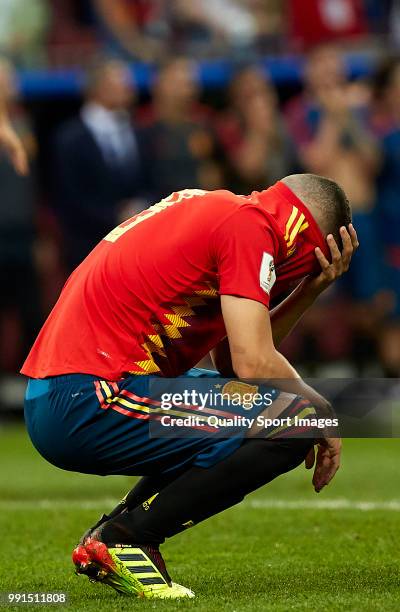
x,y
325,199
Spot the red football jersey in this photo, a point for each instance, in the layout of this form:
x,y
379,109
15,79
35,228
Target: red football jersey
x,y
146,299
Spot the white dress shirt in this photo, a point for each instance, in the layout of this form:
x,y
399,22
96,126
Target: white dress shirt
x,y
112,131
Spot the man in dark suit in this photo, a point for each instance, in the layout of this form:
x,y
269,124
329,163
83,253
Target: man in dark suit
x,y
98,171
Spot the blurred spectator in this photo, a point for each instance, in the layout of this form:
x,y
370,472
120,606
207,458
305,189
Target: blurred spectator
x,y
218,23
23,27
20,293
312,22
387,126
378,15
179,143
389,349
211,26
72,35
329,125
99,177
394,23
270,16
253,134
133,28
10,141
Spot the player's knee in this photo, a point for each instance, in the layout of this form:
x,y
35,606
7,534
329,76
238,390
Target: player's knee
x,y
298,447
286,450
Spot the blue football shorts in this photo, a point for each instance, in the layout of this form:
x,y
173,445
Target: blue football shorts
x,y
80,423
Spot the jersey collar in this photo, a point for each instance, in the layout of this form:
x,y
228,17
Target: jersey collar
x,y
312,233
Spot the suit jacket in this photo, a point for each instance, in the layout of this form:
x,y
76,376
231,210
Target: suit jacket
x,y
89,189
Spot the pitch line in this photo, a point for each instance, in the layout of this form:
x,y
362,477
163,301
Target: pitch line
x,y
326,504
103,504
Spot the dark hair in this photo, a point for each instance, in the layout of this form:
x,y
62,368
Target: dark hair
x,y
327,196
340,213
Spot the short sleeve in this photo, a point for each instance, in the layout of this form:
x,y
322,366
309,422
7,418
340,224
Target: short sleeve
x,y
245,251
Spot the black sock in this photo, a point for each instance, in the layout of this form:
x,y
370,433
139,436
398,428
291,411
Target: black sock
x,y
144,489
200,493
147,487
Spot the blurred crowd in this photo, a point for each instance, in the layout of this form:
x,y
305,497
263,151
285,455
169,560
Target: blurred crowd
x,y
118,152
59,32
209,27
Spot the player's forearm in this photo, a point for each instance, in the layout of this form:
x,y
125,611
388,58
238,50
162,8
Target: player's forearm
x,y
288,313
283,375
280,374
283,319
262,365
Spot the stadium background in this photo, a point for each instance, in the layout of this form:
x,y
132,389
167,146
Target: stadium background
x,y
212,93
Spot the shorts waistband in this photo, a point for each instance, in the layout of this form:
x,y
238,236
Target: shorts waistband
x,y
55,381
40,386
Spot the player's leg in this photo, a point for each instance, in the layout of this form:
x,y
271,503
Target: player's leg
x,y
203,492
82,424
126,548
143,490
280,457
148,486
124,552
200,492
133,570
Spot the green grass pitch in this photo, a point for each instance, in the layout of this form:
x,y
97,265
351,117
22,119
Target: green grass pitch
x,y
285,548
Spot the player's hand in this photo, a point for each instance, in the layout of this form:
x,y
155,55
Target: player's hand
x,y
340,261
12,144
327,461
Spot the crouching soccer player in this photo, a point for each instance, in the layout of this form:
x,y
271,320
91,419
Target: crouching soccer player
x,y
192,274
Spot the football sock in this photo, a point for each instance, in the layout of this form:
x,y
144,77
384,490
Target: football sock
x,y
145,488
148,486
203,492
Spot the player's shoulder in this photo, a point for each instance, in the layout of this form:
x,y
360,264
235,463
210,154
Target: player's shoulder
x,y
217,201
237,215
233,201
238,206
217,208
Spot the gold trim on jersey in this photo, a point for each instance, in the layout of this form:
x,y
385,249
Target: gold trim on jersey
x,y
177,320
295,225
